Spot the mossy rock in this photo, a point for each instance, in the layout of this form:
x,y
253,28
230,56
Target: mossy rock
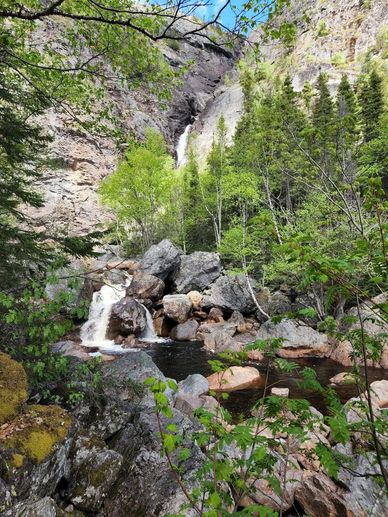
x,y
34,434
13,388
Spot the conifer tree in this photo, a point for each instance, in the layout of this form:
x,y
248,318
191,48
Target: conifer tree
x,y
372,105
323,126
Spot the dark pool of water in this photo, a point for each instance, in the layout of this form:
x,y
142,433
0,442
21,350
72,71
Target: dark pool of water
x,y
177,360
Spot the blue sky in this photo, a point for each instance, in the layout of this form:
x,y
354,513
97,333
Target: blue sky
x,y
228,15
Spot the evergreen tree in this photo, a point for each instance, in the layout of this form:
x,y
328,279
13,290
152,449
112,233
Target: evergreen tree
x,y
323,126
372,105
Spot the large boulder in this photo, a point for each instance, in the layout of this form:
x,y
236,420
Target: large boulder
x,y
128,316
197,271
220,341
195,384
145,287
161,259
232,293
235,378
299,339
177,307
185,331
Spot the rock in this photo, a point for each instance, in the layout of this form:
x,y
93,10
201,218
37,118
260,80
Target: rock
x,y
235,378
219,341
72,349
129,265
197,271
145,287
45,507
128,316
231,293
161,260
177,307
379,393
13,388
208,328
196,299
299,339
194,384
342,378
94,470
185,331
162,326
216,315
342,353
255,355
237,319
280,392
187,404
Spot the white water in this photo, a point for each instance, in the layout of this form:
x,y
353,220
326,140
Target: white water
x,y
149,334
181,148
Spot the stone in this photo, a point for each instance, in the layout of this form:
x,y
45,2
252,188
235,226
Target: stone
x,y
232,293
177,307
255,355
379,393
197,271
194,384
185,331
13,388
196,299
127,317
342,353
216,315
219,341
33,507
280,392
342,378
129,265
72,349
145,287
162,326
235,378
161,260
238,320
299,339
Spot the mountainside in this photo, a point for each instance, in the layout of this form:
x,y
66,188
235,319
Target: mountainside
x,y
335,37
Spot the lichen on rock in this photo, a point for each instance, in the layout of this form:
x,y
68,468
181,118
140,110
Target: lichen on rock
x,y
13,388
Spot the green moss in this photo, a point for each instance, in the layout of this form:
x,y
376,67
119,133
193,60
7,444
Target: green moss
x,y
37,432
13,388
17,460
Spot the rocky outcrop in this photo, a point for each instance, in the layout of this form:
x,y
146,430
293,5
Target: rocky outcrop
x,y
161,260
197,271
128,316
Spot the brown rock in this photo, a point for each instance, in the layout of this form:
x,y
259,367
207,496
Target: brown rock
x,y
343,378
162,326
128,316
235,378
146,287
130,265
196,299
379,393
177,307
216,315
342,353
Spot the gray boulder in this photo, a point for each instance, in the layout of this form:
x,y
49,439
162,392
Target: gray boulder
x,y
128,316
197,271
177,307
232,293
195,384
145,287
161,259
45,507
185,331
219,341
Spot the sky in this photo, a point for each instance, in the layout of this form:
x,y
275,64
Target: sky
x,y
228,16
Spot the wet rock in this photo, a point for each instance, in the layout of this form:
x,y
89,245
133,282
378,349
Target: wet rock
x,y
194,384
299,339
232,293
94,470
197,271
196,299
161,260
235,378
342,378
185,331
13,388
128,316
163,326
177,307
145,287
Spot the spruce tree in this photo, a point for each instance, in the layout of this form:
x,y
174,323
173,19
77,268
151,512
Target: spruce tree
x,y
372,105
323,126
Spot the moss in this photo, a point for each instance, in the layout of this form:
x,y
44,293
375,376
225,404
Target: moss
x,y
17,460
13,388
36,433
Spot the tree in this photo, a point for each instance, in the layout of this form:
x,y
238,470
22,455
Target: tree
x,y
372,104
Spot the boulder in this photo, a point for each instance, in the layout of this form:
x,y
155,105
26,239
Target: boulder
x,y
280,392
342,353
342,378
237,319
13,388
194,384
379,393
219,341
299,339
162,326
177,307
232,293
161,260
72,349
235,378
197,271
145,287
185,331
216,315
187,404
196,299
128,316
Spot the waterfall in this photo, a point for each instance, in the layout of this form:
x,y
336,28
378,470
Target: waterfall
x,y
149,334
93,332
181,148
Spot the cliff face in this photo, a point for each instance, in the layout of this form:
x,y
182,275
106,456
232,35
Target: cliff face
x,y
72,203
333,36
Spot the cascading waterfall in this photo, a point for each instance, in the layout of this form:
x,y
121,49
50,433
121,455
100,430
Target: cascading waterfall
x,y
182,146
149,334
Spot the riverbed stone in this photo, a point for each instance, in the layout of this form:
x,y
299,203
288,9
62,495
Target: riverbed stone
x,y
177,307
197,271
128,316
161,260
299,340
343,378
235,378
185,331
145,287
